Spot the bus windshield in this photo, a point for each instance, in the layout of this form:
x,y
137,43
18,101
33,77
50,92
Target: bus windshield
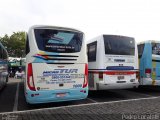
x,y
156,48
58,40
119,45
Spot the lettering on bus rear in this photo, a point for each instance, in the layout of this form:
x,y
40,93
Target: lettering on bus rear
x,y
58,76
49,73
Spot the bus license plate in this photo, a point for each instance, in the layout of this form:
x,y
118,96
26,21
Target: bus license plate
x,y
60,94
120,77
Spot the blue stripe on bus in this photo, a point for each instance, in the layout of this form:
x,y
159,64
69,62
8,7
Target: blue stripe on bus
x,y
117,68
120,68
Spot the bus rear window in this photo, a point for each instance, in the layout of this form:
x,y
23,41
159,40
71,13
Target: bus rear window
x,y
119,45
156,48
140,50
58,40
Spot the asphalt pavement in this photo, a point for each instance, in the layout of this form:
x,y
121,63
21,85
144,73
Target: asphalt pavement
x,y
116,103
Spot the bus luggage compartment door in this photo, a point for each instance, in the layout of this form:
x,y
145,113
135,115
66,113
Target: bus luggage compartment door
x,y
53,76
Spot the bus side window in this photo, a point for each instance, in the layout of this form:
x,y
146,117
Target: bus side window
x,y
140,50
92,48
27,45
156,48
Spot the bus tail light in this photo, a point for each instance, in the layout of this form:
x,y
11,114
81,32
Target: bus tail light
x,y
30,80
148,73
137,75
86,76
101,76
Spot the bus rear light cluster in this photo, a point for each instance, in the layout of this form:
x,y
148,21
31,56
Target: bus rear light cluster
x,y
86,76
101,76
137,75
30,80
148,73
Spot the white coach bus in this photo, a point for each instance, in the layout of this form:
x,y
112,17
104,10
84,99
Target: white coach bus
x,y
112,62
56,65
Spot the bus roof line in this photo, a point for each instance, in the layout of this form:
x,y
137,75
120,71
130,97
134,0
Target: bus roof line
x,y
149,41
56,27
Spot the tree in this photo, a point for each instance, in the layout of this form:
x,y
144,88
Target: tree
x,y
15,44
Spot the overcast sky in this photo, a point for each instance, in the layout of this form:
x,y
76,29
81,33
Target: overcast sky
x,y
135,18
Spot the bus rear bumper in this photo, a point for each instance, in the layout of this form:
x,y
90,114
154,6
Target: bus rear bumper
x,y
117,86
46,96
149,81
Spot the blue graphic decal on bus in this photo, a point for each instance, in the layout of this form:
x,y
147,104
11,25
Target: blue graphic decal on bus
x,y
149,62
55,61
50,73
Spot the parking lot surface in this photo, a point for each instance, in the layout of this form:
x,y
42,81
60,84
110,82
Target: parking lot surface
x,y
142,103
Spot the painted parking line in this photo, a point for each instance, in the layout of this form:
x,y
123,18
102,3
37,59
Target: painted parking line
x,y
97,103
16,99
91,100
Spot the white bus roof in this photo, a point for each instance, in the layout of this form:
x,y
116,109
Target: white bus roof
x,y
96,38
149,41
54,27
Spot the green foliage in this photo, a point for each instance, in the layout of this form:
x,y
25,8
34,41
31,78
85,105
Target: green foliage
x,y
15,44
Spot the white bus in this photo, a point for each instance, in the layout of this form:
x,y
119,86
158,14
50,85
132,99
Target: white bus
x,y
56,65
112,62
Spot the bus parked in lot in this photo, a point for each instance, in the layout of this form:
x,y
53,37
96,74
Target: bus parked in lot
x,y
3,66
112,62
56,65
149,62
